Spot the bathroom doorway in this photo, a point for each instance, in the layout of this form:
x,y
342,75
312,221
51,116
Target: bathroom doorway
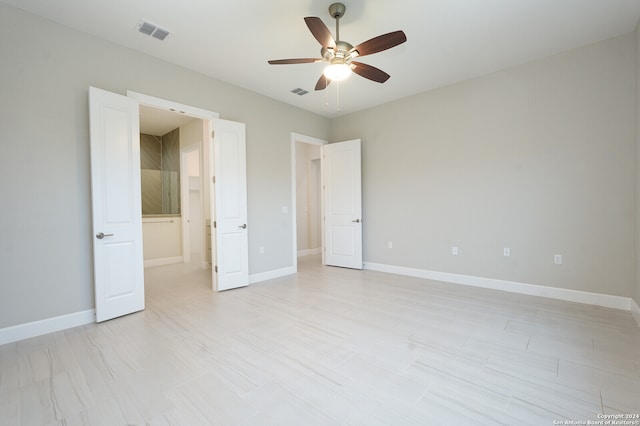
x,y
172,197
307,196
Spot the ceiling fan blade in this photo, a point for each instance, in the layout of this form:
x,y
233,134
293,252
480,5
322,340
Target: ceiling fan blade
x,y
320,31
322,83
294,61
372,73
380,43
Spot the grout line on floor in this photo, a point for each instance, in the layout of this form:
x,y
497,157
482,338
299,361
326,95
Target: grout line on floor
x,y
601,402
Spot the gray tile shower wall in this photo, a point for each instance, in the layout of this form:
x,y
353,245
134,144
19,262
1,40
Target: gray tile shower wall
x,y
160,173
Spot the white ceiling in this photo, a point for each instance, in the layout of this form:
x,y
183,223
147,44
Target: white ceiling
x,y
448,40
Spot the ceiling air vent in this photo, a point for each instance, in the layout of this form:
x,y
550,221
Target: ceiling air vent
x,y
299,91
147,28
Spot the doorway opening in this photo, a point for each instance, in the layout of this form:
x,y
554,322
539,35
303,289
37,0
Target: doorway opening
x,y
188,227
172,200
306,197
223,192
116,198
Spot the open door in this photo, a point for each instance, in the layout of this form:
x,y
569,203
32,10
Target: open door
x,y
341,175
117,214
231,259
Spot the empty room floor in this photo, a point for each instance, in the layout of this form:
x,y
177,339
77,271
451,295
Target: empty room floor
x,y
327,346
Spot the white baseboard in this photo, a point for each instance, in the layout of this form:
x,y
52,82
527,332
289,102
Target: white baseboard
x,y
605,300
269,275
163,261
635,311
49,325
309,252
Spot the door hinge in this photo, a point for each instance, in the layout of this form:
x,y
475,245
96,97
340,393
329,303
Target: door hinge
x,y
213,179
213,133
216,269
215,225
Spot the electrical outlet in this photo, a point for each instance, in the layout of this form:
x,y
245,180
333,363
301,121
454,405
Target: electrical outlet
x,y
454,250
261,250
557,259
506,252
389,244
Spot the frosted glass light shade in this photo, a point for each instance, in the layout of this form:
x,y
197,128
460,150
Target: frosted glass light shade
x,y
337,72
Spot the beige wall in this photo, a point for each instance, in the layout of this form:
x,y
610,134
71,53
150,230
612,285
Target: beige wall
x,y
191,134
538,158
45,224
636,294
162,238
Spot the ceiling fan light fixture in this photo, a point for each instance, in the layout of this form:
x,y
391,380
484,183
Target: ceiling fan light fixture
x,y
337,72
339,55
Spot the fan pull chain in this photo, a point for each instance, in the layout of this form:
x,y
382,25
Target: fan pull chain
x,y
338,95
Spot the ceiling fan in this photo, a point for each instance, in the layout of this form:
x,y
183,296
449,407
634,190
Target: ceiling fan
x,y
340,55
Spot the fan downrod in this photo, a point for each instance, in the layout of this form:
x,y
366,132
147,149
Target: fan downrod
x,y
336,10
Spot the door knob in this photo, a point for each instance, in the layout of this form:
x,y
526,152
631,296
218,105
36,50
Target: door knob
x,y
101,235
243,226
356,221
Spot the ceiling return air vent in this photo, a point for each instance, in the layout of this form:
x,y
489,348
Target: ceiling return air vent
x,y
299,91
147,28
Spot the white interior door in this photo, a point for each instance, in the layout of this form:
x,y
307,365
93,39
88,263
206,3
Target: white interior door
x,y
230,205
341,174
117,215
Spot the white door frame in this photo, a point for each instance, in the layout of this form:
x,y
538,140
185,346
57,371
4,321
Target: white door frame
x,y
297,137
187,110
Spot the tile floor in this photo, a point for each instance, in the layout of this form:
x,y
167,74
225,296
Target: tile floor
x,y
328,346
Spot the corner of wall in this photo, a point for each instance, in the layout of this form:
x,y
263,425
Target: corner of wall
x,y
636,291
635,311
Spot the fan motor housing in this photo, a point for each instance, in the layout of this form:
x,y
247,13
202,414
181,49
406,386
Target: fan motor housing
x,y
341,53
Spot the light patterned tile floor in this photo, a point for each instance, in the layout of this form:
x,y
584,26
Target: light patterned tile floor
x,y
327,346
